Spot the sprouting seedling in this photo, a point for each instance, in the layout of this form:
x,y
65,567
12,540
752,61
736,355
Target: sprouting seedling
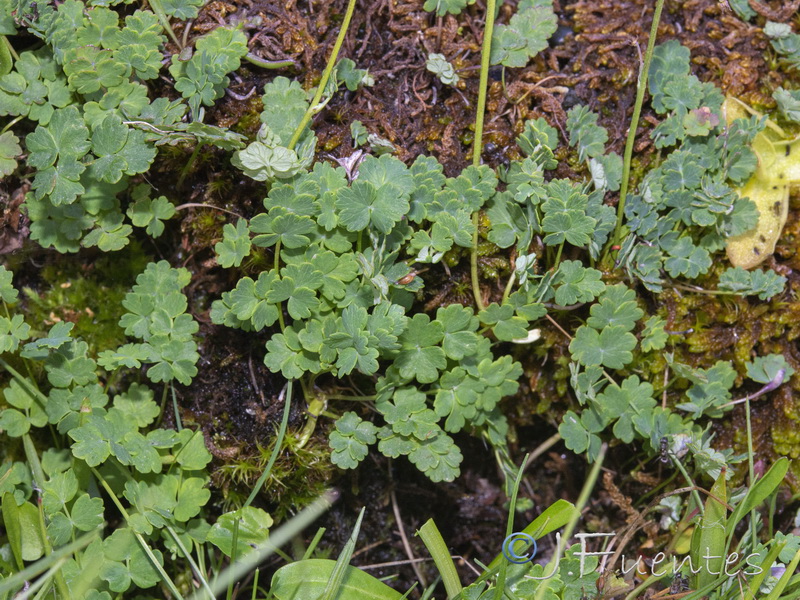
x,y
774,384
438,65
778,167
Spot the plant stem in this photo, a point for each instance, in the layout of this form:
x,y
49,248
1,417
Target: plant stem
x,y
512,511
326,75
142,543
287,392
695,494
751,472
558,256
268,64
477,145
39,479
583,499
276,265
12,123
10,48
637,113
188,556
198,205
158,8
509,285
350,398
187,167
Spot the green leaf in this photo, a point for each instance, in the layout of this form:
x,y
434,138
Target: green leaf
x,y
584,132
617,306
524,37
576,283
253,529
654,337
507,326
138,405
235,244
442,7
350,440
606,172
286,354
69,365
7,291
420,356
765,369
281,225
91,444
438,457
610,347
632,400
438,65
14,423
788,103
687,259
670,62
285,102
308,578
87,513
709,538
9,151
352,342
119,150
765,284
576,437
459,326
55,151
151,214
539,140
352,77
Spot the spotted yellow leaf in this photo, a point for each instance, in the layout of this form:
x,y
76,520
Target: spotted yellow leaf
x,y
778,168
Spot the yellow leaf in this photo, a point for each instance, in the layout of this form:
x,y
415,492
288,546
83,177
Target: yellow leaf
x,y
778,167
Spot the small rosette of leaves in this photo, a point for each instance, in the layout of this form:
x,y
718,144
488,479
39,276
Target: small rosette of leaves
x,y
157,316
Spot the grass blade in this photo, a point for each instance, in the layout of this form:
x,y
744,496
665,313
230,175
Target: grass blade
x,y
441,556
335,582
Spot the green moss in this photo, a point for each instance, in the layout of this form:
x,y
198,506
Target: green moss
x,y
88,294
299,475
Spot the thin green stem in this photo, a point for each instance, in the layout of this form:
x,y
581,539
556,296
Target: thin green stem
x,y
11,48
178,424
509,286
38,477
477,145
144,545
278,443
685,473
188,166
350,398
268,64
751,471
583,499
637,113
276,266
158,8
188,556
486,49
12,123
198,205
473,264
512,511
326,75
558,256
163,405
